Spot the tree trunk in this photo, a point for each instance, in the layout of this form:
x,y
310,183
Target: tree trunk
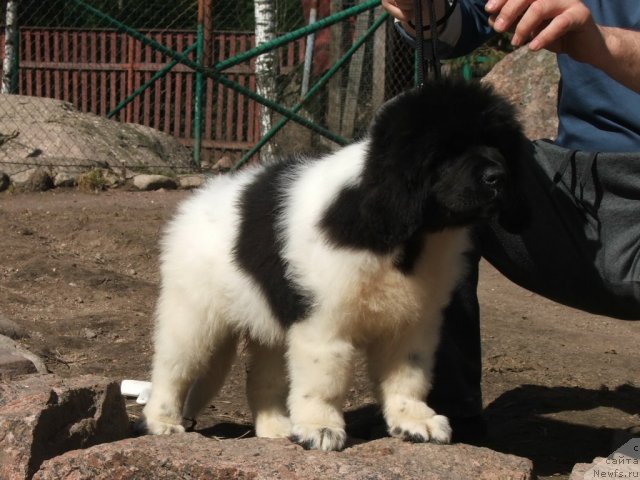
x,y
266,65
9,63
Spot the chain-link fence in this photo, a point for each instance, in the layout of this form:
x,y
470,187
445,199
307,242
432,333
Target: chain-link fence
x,y
132,84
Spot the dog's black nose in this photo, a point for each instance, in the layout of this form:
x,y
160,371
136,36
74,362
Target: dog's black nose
x,y
493,175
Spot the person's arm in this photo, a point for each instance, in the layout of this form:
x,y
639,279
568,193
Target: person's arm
x,y
566,26
620,57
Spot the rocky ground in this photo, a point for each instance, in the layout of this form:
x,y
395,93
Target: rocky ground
x,y
79,275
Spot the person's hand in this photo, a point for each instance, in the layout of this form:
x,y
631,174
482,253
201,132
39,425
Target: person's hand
x,y
400,9
566,26
562,26
404,11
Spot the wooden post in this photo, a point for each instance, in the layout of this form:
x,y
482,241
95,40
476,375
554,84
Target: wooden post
x,y
207,22
353,83
10,62
334,107
131,66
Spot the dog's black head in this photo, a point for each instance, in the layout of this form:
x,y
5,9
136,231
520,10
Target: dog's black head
x,y
444,155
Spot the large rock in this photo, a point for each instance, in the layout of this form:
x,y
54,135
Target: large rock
x,y
191,455
33,180
42,416
44,131
65,179
154,182
580,470
530,81
187,182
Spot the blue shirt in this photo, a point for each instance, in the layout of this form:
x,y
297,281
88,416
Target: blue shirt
x,y
595,112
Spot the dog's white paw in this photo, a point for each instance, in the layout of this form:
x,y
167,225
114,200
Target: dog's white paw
x,y
159,427
435,429
273,426
317,437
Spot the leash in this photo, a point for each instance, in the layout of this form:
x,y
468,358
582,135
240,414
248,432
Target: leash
x,y
434,57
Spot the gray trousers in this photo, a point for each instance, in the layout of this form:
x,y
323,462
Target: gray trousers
x,y
581,249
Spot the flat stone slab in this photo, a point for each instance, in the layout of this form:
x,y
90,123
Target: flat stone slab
x,y
191,455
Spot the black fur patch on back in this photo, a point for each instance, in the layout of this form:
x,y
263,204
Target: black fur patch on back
x,y
377,229
258,251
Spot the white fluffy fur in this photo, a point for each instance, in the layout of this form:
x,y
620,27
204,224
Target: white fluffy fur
x,y
298,377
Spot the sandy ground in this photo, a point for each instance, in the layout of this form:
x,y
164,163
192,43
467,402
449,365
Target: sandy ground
x,y
80,272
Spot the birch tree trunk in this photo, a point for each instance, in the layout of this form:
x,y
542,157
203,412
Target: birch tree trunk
x,y
10,48
266,65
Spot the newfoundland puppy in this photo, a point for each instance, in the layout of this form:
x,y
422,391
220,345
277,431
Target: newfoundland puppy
x,y
310,260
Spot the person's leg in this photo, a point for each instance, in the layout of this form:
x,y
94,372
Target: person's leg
x,y
457,374
583,244
580,249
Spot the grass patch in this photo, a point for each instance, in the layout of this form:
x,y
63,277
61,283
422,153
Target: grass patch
x,y
92,181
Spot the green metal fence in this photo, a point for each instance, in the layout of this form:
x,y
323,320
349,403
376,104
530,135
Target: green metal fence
x,y
181,80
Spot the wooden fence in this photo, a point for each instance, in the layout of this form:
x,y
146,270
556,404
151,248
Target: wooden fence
x,y
96,69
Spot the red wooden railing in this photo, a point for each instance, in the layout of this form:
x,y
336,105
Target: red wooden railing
x,y
96,69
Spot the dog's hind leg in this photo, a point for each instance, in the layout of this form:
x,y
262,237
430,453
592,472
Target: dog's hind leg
x,y
401,369
185,342
320,367
267,390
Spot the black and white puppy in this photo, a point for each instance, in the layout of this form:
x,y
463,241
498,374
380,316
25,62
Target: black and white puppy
x,y
313,259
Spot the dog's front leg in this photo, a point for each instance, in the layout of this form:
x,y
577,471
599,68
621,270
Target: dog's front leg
x,y
401,368
267,390
320,367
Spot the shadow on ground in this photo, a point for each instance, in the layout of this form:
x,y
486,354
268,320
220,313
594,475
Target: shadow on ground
x,y
521,422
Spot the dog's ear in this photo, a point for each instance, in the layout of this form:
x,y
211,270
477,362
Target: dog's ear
x,y
515,214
